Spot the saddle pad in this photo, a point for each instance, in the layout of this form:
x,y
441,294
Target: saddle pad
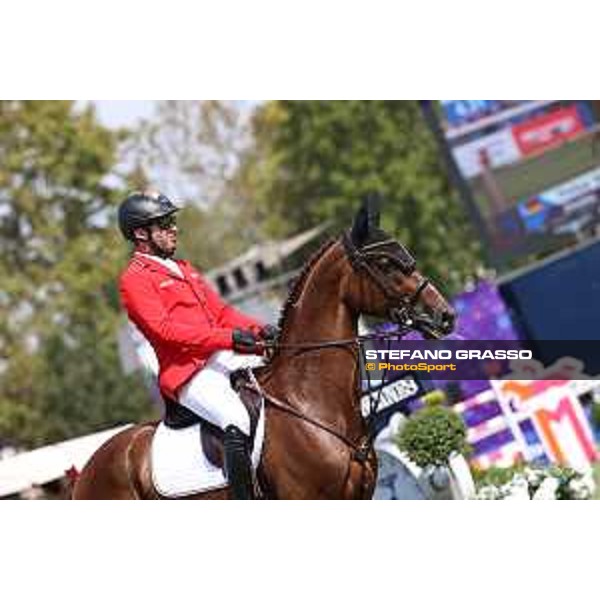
x,y
179,465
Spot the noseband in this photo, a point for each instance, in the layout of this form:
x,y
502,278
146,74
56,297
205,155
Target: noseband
x,y
403,307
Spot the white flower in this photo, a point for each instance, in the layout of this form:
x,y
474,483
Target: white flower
x,y
543,483
517,489
488,492
534,476
588,481
547,490
580,488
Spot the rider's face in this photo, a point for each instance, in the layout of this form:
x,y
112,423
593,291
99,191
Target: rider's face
x,y
164,235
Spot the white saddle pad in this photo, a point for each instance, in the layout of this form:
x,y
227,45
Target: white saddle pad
x,y
179,465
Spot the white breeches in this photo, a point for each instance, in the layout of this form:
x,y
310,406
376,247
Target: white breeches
x,y
209,393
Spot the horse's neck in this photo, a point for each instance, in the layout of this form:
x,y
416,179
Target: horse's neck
x,y
319,313
326,377
301,458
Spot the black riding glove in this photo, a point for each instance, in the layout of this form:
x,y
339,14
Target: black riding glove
x,y
268,333
245,342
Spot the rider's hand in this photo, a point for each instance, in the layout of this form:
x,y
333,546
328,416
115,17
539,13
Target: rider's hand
x,y
268,333
246,342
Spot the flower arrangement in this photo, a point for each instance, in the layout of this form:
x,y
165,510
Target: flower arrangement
x,y
433,435
525,482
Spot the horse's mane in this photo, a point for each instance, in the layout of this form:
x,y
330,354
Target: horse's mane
x,y
299,281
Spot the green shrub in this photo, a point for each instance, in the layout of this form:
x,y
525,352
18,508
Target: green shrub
x,y
434,398
496,476
432,435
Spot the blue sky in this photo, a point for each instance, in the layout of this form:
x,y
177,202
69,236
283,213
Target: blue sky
x,y
121,113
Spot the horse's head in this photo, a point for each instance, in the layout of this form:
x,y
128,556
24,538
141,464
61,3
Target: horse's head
x,y
385,281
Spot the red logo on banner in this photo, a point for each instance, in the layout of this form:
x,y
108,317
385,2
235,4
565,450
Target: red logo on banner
x,y
547,130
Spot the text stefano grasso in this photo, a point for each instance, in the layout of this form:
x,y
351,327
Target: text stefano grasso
x,y
448,354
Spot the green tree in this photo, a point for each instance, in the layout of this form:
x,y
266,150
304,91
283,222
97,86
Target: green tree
x,y
59,261
314,160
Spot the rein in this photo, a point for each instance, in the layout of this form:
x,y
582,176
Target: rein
x,y
362,447
353,341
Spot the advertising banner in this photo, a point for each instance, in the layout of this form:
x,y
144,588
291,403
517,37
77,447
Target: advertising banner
x,y
460,112
545,131
555,411
536,212
496,150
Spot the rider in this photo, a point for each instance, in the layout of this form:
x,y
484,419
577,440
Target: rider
x,y
198,339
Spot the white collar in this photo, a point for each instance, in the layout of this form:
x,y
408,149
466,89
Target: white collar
x,y
166,262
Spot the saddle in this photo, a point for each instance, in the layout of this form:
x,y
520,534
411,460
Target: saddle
x,y
178,416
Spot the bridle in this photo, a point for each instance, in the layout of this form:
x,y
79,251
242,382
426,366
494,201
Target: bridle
x,y
402,311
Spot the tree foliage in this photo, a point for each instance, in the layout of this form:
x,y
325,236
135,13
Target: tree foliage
x,y
59,260
192,148
314,160
196,152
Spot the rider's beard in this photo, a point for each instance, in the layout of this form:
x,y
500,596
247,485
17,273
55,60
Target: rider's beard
x,y
160,251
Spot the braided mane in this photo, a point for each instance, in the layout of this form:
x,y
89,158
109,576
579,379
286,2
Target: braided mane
x,y
299,282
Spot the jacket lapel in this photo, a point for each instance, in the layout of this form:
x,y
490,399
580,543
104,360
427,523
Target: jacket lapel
x,y
154,265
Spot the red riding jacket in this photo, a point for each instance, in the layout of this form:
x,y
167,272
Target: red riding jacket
x,y
183,318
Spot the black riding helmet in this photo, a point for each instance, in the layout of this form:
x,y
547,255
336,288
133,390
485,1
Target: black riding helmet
x,y
139,209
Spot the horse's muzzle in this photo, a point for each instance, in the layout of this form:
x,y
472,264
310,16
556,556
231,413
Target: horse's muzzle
x,y
436,326
447,322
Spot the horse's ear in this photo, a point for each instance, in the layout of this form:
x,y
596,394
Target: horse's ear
x,y
366,219
372,206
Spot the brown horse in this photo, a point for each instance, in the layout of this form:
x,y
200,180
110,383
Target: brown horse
x,y
316,440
